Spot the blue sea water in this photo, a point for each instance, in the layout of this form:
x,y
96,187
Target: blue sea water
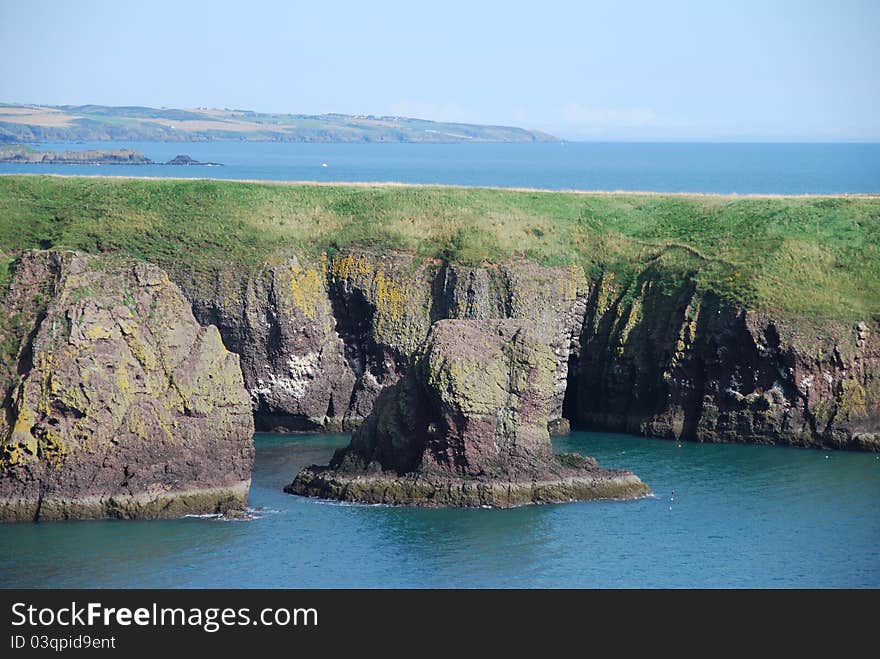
x,y
661,167
741,516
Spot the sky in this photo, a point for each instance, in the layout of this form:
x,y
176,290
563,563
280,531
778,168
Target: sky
x,y
750,70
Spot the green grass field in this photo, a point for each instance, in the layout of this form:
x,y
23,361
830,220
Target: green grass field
x,y
817,256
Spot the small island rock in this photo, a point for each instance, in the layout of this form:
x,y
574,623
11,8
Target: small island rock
x,y
466,426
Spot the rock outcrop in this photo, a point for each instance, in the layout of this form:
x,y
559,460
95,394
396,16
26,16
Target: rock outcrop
x,y
553,298
22,155
466,426
187,161
117,402
25,155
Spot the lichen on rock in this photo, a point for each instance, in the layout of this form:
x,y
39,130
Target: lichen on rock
x,y
118,403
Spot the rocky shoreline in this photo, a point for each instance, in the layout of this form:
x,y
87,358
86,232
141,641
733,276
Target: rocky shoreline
x,y
439,492
228,500
19,155
133,391
319,342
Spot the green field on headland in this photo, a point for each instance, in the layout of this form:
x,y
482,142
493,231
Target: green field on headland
x,y
71,123
816,256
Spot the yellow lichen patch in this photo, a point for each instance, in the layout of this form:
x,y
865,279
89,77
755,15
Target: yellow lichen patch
x,y
306,290
124,383
128,326
145,357
605,293
852,401
688,332
350,266
390,301
51,449
44,367
21,441
572,282
143,428
95,332
692,324
629,322
183,402
823,411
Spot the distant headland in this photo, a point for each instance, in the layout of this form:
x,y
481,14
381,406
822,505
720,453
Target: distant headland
x,y
63,123
24,155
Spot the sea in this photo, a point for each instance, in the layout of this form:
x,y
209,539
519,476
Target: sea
x,y
721,516
730,168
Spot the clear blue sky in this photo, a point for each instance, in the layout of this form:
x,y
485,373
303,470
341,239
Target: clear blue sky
x,y
639,69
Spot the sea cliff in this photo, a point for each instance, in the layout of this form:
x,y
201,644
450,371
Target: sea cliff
x,y
693,318
319,342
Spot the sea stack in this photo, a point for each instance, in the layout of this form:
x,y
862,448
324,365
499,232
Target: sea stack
x,y
117,402
466,426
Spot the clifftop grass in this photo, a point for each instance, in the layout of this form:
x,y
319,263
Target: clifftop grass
x,y
817,256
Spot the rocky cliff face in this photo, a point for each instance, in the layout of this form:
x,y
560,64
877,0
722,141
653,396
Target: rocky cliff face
x,y
281,323
673,363
466,426
320,341
117,403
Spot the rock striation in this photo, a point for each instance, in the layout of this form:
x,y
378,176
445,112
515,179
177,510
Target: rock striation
x,y
117,402
466,426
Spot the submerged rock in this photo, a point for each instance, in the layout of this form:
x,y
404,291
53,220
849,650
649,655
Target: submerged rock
x,y
117,403
466,426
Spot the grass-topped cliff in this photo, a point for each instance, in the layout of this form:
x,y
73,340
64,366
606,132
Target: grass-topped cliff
x,y
817,256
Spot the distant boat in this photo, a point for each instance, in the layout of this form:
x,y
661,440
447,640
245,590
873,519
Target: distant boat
x,y
323,164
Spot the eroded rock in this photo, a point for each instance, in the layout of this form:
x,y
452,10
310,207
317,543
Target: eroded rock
x,y
466,426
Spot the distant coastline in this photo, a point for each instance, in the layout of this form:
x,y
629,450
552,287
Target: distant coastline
x,y
71,123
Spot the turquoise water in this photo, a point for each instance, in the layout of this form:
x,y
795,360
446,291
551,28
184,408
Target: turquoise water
x,y
683,167
742,516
